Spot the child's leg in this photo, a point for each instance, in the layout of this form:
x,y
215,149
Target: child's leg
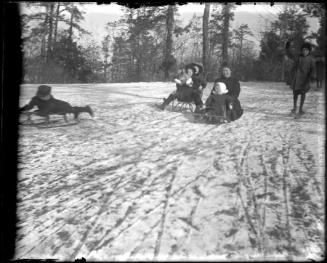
x,y
170,98
198,101
301,103
295,95
78,110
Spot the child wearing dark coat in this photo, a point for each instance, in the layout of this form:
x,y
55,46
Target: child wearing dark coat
x,y
47,104
219,103
184,78
188,92
303,73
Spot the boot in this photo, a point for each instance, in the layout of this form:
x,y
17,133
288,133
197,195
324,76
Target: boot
x,y
78,110
76,114
199,109
89,111
163,105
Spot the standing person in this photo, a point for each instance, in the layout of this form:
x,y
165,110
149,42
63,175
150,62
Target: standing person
x,y
303,73
47,104
183,92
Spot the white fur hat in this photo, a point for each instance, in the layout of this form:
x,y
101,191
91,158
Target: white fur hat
x,y
222,89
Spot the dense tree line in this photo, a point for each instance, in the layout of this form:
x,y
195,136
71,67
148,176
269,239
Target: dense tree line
x,y
149,43
51,49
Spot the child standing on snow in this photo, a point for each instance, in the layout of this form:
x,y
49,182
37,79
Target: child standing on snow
x,y
47,104
303,73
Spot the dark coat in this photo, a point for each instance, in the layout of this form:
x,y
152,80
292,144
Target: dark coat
x,y
236,112
192,94
48,106
224,105
198,81
303,71
184,93
232,85
218,104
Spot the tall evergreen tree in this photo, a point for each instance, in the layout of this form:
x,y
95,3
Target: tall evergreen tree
x,y
241,33
291,25
318,10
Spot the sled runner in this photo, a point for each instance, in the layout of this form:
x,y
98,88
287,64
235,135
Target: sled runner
x,y
210,119
45,122
182,106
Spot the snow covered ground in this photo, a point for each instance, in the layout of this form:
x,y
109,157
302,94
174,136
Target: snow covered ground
x,y
136,183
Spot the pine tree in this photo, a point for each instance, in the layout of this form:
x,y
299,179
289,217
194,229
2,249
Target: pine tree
x,y
240,34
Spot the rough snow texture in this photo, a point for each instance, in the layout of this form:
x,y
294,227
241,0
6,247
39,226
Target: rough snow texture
x,y
137,183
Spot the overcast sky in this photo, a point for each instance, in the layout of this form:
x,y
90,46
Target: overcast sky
x,y
254,15
97,16
188,8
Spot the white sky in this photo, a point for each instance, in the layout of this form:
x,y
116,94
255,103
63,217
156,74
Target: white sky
x,y
188,8
99,15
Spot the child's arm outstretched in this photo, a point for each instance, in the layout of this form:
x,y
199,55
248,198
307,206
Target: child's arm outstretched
x,y
29,106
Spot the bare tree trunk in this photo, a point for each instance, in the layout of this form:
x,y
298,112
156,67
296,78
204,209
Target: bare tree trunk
x,y
226,13
169,39
70,36
205,53
241,47
50,26
56,23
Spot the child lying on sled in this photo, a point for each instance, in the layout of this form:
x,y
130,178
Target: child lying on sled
x,y
47,105
219,103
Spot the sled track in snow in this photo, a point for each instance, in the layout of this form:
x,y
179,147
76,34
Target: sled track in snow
x,y
138,183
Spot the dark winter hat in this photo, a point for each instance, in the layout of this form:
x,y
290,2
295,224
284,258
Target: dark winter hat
x,y
43,91
193,65
307,46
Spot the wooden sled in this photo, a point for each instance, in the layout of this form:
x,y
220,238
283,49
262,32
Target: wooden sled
x,y
182,106
45,122
210,119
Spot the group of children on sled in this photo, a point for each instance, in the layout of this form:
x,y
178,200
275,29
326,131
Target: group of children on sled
x,y
223,100
190,83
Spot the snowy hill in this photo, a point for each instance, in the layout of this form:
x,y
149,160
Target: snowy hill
x,y
137,183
